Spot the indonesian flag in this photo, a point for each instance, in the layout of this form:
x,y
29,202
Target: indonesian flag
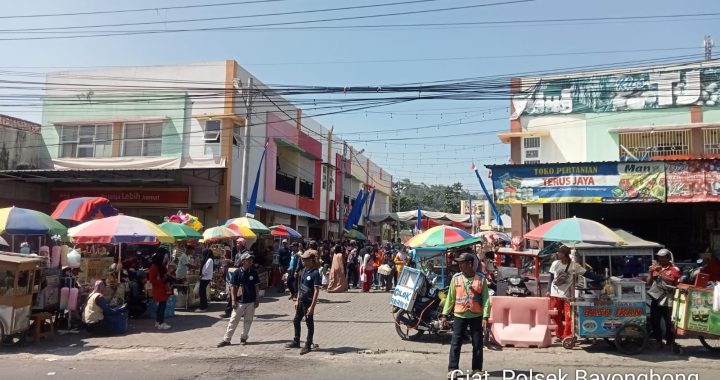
x,y
473,166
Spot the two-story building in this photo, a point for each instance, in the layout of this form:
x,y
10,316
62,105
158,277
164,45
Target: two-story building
x,y
156,139
633,148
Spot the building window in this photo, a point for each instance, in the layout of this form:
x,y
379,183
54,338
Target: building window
x,y
646,145
711,140
85,141
142,139
285,182
306,189
531,150
324,177
212,131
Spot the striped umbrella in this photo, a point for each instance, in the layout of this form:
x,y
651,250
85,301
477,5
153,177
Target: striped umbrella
x,y
491,236
243,231
250,223
83,209
180,231
119,229
284,231
219,233
23,221
443,236
575,230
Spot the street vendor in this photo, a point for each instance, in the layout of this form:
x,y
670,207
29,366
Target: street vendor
x,y
469,301
663,278
96,312
562,271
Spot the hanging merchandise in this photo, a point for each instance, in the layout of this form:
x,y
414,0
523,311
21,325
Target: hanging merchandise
x,y
73,259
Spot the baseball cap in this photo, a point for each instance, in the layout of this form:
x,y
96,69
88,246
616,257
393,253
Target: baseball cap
x,y
465,256
284,241
246,256
664,252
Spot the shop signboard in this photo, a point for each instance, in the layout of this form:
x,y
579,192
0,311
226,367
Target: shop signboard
x,y
166,197
700,316
619,91
606,320
627,182
693,181
410,283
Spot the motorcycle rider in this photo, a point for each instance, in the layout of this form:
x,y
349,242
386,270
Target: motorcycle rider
x,y
468,299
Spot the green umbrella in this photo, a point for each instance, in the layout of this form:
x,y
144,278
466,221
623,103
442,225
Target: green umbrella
x,y
355,234
254,225
180,231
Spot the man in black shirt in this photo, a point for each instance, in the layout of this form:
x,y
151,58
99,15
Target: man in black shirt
x,y
310,282
284,255
245,289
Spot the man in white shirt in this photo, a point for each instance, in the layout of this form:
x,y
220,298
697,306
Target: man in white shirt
x,y
562,274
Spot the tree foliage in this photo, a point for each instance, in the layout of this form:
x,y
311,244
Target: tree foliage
x,y
429,197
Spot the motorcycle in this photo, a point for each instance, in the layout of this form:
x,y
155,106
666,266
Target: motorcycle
x,y
516,286
690,272
424,316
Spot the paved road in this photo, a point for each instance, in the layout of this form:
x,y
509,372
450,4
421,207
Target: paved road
x,y
356,340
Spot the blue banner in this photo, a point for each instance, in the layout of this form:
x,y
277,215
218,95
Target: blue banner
x,y
627,182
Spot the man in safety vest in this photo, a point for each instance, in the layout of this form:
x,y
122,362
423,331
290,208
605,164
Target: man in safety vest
x,y
468,299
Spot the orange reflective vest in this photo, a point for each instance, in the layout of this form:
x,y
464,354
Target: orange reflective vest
x,y
468,302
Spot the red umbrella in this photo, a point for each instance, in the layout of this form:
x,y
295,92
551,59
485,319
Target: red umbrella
x,y
284,231
84,209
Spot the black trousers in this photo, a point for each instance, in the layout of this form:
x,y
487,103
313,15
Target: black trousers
x,y
658,315
352,275
300,313
203,293
460,325
160,312
292,283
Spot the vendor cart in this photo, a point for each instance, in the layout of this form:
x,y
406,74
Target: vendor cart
x,y
19,281
693,314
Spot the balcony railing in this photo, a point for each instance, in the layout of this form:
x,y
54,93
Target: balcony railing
x,y
646,145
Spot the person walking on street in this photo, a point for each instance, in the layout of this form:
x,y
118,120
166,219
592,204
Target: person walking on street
x,y
244,296
284,255
310,283
293,270
337,281
562,271
663,280
158,278
352,265
206,274
367,268
469,301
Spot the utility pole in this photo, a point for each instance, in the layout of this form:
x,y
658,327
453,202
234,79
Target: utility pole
x,y
397,195
249,98
708,44
342,188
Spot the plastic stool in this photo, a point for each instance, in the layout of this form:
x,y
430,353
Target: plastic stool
x,y
41,326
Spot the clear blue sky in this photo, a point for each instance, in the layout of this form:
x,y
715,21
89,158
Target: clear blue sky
x,y
340,58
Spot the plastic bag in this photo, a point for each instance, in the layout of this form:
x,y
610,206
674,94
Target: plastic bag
x,y
363,277
196,289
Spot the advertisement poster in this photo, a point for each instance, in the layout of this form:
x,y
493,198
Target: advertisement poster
x,y
619,92
628,182
701,318
693,181
605,321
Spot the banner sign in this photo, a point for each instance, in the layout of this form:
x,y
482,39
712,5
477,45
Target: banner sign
x,y
693,181
629,182
170,197
636,90
605,321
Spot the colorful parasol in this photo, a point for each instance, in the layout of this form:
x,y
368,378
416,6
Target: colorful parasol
x,y
355,234
23,221
119,229
284,231
575,230
3,242
243,231
491,236
180,231
250,223
443,236
83,209
219,233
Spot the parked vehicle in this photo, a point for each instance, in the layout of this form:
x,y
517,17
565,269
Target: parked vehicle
x,y
417,305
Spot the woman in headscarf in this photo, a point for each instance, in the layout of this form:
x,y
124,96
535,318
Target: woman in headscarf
x,y
157,275
337,282
96,311
206,275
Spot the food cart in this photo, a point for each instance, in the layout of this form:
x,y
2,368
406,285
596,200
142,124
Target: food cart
x,y
693,314
432,261
19,281
617,311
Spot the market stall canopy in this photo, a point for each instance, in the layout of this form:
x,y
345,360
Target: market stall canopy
x,y
633,246
575,230
23,221
219,233
243,231
491,236
444,236
256,226
284,231
409,216
83,209
180,231
119,229
3,242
